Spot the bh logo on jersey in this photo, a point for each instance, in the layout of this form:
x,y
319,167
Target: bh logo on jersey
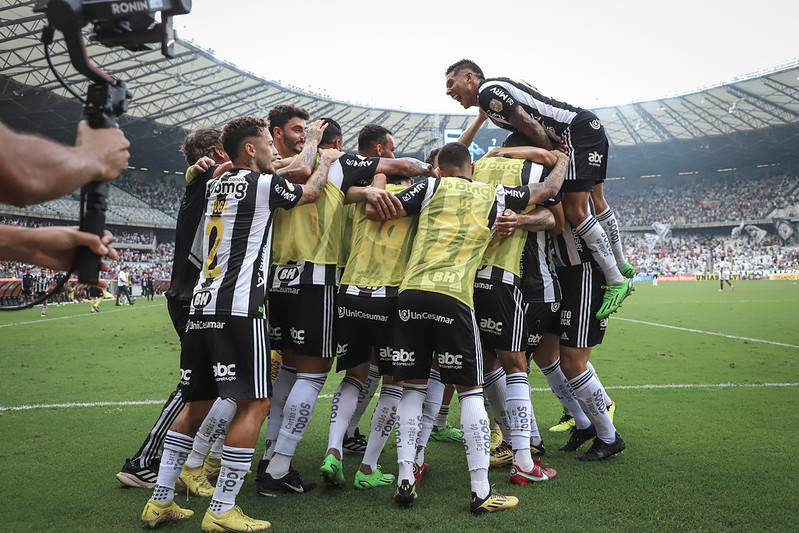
x,y
185,376
402,358
450,361
201,299
297,335
224,372
286,274
595,159
443,278
489,325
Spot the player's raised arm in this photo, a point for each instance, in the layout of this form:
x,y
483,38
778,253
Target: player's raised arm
x,y
405,166
313,188
541,192
301,167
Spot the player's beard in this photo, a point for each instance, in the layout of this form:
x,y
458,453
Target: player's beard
x,y
264,167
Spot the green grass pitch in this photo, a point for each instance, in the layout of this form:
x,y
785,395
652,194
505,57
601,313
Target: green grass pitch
x,y
705,383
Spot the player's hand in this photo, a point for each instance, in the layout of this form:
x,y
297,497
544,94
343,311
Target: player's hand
x,y
108,147
202,164
494,152
385,203
224,167
331,154
315,130
506,223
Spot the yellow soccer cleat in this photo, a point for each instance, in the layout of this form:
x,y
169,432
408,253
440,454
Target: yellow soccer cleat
x,y
193,478
491,503
233,520
154,513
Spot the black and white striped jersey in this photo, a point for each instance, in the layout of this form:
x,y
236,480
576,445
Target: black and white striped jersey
x,y
500,96
570,249
539,282
237,241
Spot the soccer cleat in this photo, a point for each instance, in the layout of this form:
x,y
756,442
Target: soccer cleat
x,y
600,450
263,464
578,438
491,503
419,470
211,467
406,493
355,444
501,456
448,433
628,271
615,293
538,451
565,423
496,438
195,482
291,483
611,410
332,471
130,476
373,480
233,520
538,473
154,513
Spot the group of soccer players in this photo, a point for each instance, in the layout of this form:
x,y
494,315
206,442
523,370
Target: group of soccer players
x,y
448,273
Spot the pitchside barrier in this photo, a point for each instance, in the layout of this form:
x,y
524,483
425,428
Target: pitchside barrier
x,y
11,289
735,276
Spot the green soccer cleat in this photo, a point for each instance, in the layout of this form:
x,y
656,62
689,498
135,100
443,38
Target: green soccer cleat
x,y
611,410
332,471
233,520
449,433
193,478
615,294
155,513
491,503
373,480
628,271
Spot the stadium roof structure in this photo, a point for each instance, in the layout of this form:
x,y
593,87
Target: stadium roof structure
x,y
749,122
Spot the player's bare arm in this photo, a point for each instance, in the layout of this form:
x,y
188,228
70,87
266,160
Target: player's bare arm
x,y
468,135
549,188
530,153
405,166
530,127
316,183
299,168
560,220
383,201
541,219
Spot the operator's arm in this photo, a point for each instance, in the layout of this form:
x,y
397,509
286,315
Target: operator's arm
x,y
34,169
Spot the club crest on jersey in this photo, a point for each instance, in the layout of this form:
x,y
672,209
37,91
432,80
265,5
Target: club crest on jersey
x,y
341,311
495,106
404,314
596,124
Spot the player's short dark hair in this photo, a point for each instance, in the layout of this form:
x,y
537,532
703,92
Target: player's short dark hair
x,y
239,129
281,114
517,139
332,133
465,64
431,157
454,155
201,142
371,135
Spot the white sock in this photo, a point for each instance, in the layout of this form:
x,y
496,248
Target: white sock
x,y
177,447
597,241
608,401
591,396
281,388
519,408
430,408
382,422
367,392
214,427
476,440
345,401
235,464
560,386
441,419
494,387
607,219
296,418
409,420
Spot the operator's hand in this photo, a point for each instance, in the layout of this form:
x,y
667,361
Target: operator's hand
x,y
107,147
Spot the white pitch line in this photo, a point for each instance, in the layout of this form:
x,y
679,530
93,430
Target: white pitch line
x,y
50,319
328,396
707,332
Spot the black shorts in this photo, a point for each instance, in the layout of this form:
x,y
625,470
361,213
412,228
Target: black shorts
x,y
95,291
224,356
365,325
588,146
179,313
582,297
540,318
500,315
435,325
302,318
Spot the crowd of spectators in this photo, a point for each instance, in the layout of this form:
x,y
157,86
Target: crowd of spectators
x,y
158,193
701,200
